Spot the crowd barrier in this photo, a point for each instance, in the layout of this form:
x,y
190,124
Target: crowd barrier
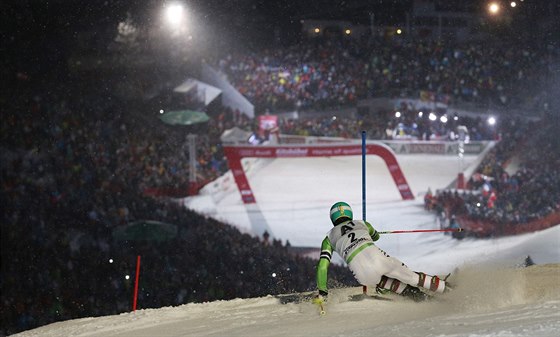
x,y
398,146
486,228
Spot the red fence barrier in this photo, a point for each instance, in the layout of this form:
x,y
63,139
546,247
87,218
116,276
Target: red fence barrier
x,y
485,228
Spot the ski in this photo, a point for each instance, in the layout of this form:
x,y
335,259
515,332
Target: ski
x,y
308,297
295,297
361,297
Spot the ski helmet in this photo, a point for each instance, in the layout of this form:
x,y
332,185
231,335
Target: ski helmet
x,y
340,212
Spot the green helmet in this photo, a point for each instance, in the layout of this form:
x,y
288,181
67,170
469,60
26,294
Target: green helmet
x,y
341,212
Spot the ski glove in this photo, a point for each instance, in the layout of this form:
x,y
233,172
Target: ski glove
x,y
320,298
374,234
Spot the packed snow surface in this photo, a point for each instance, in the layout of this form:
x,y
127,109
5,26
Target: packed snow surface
x,y
486,302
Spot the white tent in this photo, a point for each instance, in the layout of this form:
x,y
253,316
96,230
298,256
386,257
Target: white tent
x,y
230,96
205,92
234,136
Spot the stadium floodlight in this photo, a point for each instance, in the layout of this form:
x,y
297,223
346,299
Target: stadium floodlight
x,y
491,120
175,14
493,8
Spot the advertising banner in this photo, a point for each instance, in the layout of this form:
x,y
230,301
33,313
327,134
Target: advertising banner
x,y
235,154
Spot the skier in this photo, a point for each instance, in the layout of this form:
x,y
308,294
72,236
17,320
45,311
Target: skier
x,y
371,266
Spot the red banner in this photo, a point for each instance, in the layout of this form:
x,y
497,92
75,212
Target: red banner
x,y
267,123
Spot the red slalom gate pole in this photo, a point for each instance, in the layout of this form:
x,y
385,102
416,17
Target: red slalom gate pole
x,y
423,231
135,299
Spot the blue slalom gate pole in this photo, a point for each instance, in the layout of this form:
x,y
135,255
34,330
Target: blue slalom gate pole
x,y
364,288
364,175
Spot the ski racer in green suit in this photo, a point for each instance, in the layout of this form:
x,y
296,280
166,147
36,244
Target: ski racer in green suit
x,y
354,241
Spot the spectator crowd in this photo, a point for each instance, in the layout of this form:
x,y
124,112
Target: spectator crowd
x,y
327,73
517,182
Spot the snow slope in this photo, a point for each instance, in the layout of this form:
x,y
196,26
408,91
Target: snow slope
x,y
295,194
486,302
491,297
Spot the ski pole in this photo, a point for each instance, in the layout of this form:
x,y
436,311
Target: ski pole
x,y
422,231
322,311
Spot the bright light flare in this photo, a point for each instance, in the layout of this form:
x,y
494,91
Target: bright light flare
x,y
175,14
432,116
443,119
513,4
491,120
398,114
494,8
